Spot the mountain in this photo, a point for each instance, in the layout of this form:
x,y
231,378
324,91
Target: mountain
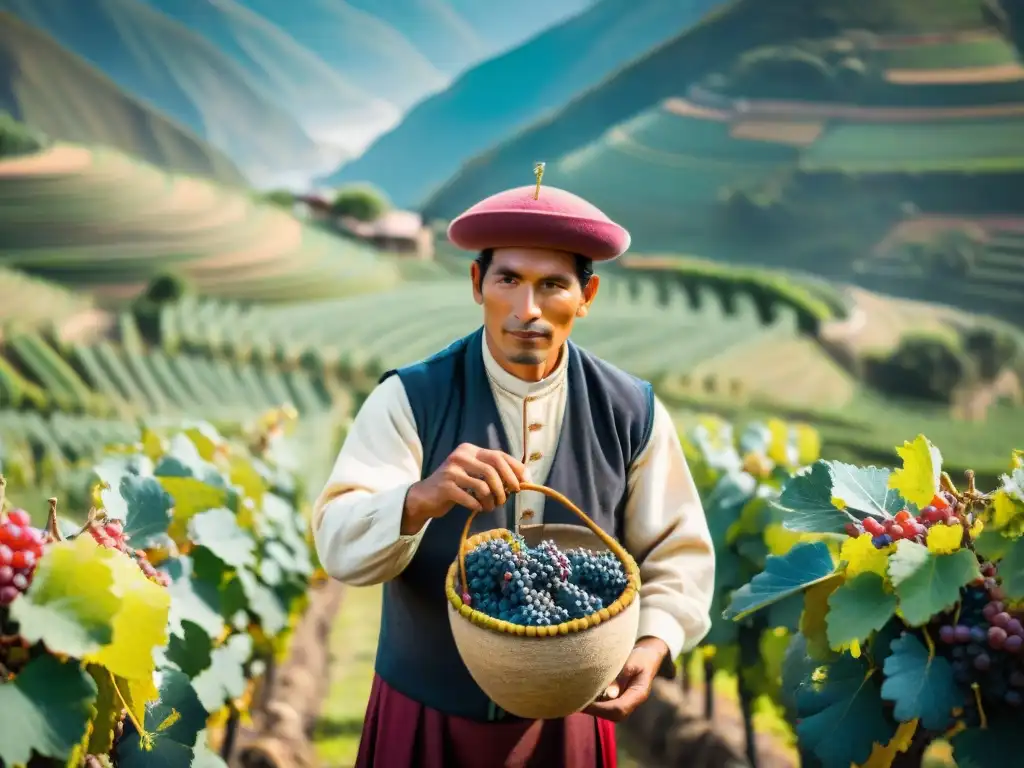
x,y
46,86
180,74
434,27
504,25
359,45
578,140
319,97
506,93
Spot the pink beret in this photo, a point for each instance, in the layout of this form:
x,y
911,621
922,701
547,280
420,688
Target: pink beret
x,y
557,219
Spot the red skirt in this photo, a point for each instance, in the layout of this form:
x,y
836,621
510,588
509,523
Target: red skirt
x,y
401,733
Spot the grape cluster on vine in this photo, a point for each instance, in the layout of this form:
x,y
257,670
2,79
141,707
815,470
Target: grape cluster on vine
x,y
984,642
110,534
944,509
21,546
540,586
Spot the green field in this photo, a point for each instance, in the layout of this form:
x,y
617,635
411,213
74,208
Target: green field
x,y
961,145
978,51
635,324
100,221
662,171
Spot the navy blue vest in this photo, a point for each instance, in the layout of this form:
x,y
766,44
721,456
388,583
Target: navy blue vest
x,y
607,423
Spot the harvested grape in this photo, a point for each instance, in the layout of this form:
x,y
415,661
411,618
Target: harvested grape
x,y
540,586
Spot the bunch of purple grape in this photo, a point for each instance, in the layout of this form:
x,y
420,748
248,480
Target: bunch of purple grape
x,y
540,586
985,645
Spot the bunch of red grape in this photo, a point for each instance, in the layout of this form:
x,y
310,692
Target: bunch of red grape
x,y
21,546
984,642
110,534
941,511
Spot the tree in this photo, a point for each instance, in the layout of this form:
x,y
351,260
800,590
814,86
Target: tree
x,y
279,197
17,138
164,289
362,202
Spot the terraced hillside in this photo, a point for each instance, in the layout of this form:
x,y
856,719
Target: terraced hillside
x,y
62,402
100,221
979,259
629,325
57,92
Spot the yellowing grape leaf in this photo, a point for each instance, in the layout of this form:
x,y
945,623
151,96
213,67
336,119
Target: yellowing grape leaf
x,y
808,444
883,757
780,540
191,496
861,556
813,621
779,442
139,627
918,480
943,539
71,605
1006,509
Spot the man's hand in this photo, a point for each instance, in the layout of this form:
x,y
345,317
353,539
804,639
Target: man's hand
x,y
633,685
475,478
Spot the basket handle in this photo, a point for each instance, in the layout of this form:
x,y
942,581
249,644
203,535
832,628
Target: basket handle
x,y
607,540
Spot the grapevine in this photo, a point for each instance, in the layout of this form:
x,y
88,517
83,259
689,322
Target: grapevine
x,y
540,586
737,476
912,623
125,636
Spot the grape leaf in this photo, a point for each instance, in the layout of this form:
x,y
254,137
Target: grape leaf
x,y
926,583
219,531
139,627
917,480
224,679
807,500
813,622
191,496
204,757
841,717
943,539
192,599
108,712
173,723
70,605
112,468
797,668
263,603
142,505
190,653
865,489
205,438
244,475
991,746
806,564
920,687
45,709
858,608
992,545
862,556
1011,568
184,460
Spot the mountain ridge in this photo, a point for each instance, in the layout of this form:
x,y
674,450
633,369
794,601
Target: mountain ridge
x,y
430,143
141,50
61,94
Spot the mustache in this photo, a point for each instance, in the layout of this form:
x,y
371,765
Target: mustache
x,y
533,327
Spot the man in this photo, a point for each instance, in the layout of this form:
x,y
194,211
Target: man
x,y
513,401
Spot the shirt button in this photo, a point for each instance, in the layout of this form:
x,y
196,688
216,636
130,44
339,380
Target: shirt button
x,y
527,514
535,456
534,427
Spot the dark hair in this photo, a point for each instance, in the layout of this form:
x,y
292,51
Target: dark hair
x,y
584,267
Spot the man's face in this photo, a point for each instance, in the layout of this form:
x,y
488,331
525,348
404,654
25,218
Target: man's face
x,y
531,297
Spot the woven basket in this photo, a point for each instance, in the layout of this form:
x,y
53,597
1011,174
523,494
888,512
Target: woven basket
x,y
546,672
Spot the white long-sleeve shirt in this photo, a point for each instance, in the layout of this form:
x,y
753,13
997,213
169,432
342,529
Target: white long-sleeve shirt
x,y
358,516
